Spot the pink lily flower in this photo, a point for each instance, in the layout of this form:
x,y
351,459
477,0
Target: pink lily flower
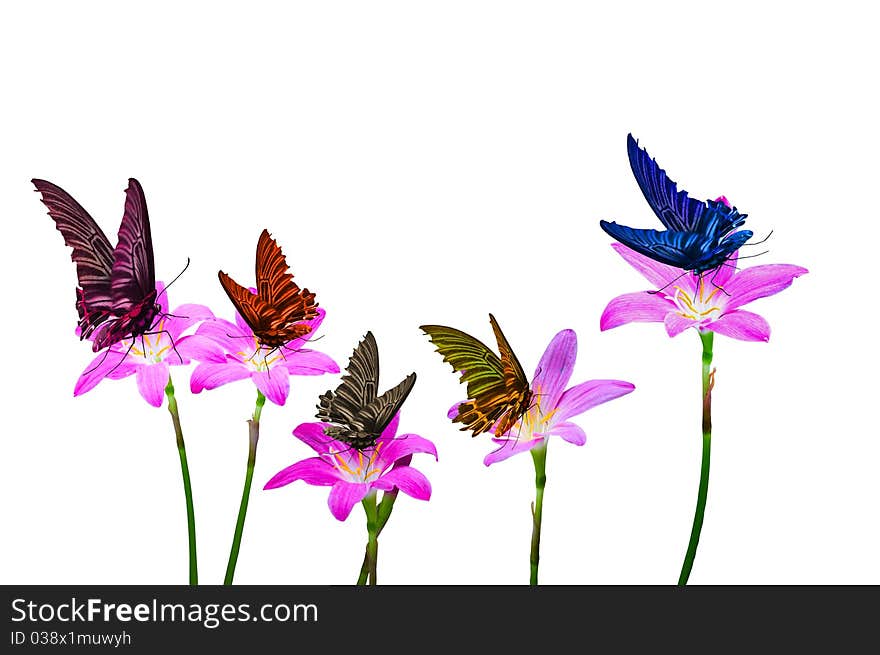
x,y
711,302
229,351
552,404
147,357
353,474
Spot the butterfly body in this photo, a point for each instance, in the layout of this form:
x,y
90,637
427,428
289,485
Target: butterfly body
x,y
277,310
116,295
699,236
498,390
355,413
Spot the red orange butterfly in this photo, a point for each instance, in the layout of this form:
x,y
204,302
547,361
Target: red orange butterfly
x,y
276,311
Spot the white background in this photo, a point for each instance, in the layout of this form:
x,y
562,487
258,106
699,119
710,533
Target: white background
x,y
430,163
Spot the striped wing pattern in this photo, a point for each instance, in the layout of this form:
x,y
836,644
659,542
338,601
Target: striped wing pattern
x,y
497,388
699,235
134,277
275,313
116,297
675,209
92,253
356,414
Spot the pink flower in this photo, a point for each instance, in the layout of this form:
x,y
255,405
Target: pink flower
x,y
708,302
552,404
229,351
148,356
353,474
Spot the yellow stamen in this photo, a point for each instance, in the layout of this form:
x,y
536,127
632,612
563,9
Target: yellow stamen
x,y
137,351
161,352
685,298
371,473
342,464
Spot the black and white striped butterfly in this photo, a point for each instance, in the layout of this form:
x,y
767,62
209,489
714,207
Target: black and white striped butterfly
x,y
356,414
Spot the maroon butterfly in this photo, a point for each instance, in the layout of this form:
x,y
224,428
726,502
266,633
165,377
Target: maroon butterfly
x,y
116,296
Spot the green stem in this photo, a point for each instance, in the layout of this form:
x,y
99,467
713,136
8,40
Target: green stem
x,y
539,455
187,486
708,383
372,512
254,437
384,512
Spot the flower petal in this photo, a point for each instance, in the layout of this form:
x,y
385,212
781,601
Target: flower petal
x,y
209,375
227,335
401,446
274,384
390,429
453,411
676,323
725,272
161,297
638,307
554,369
240,323
313,470
200,348
312,435
105,363
743,325
344,496
587,395
660,275
151,381
409,480
570,432
184,317
760,281
308,362
509,447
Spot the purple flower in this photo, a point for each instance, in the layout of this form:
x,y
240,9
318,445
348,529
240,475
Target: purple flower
x,y
353,474
147,356
229,351
552,404
708,302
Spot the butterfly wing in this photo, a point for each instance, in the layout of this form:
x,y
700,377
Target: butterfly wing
x,y
516,384
493,383
288,304
378,414
276,312
354,407
246,303
92,253
133,284
357,388
665,246
674,208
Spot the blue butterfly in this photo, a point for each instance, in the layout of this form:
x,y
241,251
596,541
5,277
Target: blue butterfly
x,y
699,236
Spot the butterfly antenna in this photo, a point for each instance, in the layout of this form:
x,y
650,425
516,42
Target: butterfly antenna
x,y
96,366
755,243
176,277
758,254
669,283
712,281
314,340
